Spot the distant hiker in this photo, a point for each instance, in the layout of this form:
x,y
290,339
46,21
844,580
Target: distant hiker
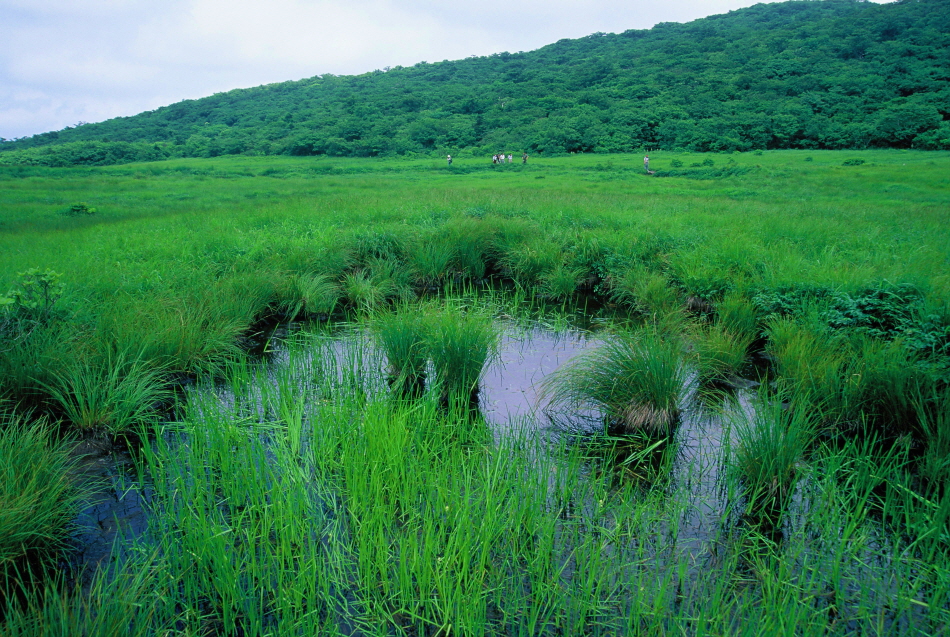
x,y
509,158
494,159
449,159
646,163
524,158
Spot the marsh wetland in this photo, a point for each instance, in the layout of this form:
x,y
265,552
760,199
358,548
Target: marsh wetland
x,y
272,396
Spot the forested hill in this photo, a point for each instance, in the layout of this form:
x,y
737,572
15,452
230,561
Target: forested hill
x,y
831,74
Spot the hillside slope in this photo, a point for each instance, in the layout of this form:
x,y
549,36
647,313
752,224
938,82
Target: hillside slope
x,y
832,74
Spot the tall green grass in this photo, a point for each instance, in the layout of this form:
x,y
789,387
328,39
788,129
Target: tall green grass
x,y
402,335
112,395
386,521
771,442
461,341
637,381
39,500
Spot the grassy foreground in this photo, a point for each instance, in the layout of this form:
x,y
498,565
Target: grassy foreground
x,y
333,510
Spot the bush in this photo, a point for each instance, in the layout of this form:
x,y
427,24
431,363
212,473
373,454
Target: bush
x,y
79,210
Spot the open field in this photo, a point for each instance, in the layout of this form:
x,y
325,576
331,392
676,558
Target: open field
x,y
301,499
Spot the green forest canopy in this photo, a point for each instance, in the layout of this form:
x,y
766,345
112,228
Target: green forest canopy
x,y
829,74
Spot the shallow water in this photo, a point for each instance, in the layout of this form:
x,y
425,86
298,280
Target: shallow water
x,y
701,530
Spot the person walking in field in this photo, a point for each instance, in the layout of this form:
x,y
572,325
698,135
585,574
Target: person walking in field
x,y
646,163
509,158
524,158
494,159
449,159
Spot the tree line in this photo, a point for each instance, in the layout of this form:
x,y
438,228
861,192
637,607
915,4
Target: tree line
x,y
801,74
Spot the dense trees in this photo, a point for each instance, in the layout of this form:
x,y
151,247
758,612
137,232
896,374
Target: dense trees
x,y
831,74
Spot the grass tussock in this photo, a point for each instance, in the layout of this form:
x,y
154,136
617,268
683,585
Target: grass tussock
x,y
403,337
113,395
720,353
637,381
461,343
767,459
38,498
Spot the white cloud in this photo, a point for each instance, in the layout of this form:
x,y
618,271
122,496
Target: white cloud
x,y
62,61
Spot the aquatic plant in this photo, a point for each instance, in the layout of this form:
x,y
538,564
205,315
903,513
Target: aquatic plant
x,y
637,381
402,335
39,500
461,341
719,353
771,442
113,394
309,295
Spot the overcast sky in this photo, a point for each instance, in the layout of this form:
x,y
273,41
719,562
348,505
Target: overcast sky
x,y
66,61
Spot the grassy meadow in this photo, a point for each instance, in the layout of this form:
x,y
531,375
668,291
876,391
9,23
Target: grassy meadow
x,y
333,492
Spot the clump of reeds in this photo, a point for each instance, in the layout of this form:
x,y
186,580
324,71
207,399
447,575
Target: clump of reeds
x,y
461,342
561,281
647,292
637,381
431,262
38,499
402,335
771,441
309,295
111,395
720,353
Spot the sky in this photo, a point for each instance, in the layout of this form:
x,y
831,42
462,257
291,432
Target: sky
x,y
68,61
